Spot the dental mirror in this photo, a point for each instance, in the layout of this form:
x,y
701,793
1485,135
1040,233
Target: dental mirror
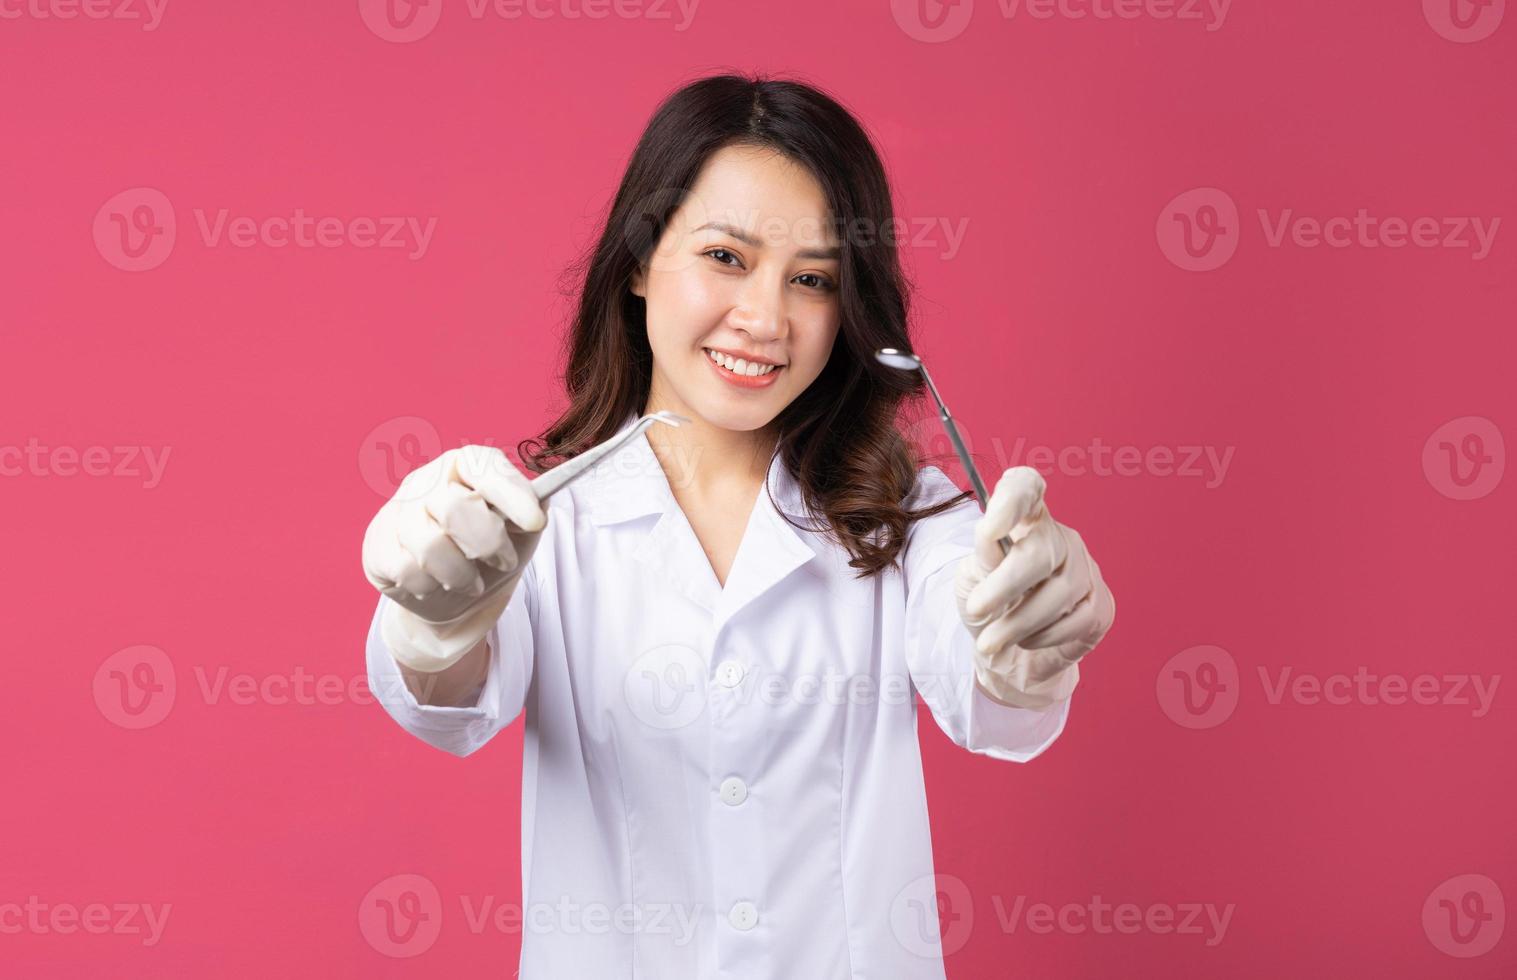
x,y
907,361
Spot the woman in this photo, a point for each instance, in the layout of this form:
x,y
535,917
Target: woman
x,y
721,631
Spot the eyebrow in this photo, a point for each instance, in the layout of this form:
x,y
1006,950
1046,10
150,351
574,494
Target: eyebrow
x,y
747,239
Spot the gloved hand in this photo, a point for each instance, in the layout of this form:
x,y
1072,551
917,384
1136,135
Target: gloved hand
x,y
1038,610
449,548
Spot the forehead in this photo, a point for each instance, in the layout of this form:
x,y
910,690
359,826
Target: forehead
x,y
762,192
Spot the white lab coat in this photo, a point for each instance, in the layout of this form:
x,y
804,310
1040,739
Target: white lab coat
x,y
702,793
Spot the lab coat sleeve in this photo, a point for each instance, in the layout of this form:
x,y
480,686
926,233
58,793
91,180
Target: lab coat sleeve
x,y
940,649
461,730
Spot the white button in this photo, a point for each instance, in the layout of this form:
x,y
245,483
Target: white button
x,y
734,791
744,916
729,673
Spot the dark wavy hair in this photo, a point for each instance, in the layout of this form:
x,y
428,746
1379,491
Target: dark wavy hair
x,y
838,437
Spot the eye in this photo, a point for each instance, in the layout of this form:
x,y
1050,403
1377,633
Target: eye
x,y
722,251
822,282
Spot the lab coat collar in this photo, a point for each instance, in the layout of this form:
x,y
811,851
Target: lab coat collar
x,y
631,483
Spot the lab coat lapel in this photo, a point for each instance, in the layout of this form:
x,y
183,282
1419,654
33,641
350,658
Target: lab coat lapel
x,y
771,547
632,484
672,552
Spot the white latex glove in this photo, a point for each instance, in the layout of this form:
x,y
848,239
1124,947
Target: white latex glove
x,y
1038,610
449,548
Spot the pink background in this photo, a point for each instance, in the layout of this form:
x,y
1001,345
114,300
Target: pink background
x,y
284,383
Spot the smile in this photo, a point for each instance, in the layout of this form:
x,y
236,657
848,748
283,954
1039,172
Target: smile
x,y
741,373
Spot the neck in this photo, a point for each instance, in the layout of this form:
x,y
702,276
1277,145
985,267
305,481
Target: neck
x,y
706,460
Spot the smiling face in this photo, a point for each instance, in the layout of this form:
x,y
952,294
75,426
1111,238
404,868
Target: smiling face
x,y
748,268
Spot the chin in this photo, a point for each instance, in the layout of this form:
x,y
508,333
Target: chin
x,y
743,421
734,418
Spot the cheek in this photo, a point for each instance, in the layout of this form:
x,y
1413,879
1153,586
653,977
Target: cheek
x,y
685,300
815,337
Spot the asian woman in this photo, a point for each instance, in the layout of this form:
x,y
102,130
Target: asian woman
x,y
718,636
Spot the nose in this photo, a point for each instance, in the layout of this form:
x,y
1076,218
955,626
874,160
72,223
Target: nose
x,y
760,311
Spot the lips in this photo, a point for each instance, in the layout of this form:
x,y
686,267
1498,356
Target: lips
x,y
742,380
741,363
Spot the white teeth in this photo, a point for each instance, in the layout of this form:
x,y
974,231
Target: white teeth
x,y
740,366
